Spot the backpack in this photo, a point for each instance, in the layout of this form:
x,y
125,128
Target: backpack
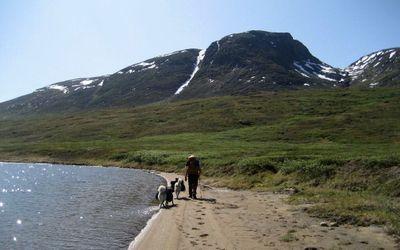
x,y
170,196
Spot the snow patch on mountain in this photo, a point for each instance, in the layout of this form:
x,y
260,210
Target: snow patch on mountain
x,y
61,88
146,64
173,53
218,46
139,67
309,69
325,77
372,85
200,58
357,68
84,87
87,82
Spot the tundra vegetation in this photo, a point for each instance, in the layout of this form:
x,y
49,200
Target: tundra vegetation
x,y
338,148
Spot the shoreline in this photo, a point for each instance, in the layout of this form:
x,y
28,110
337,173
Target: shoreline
x,y
229,219
150,223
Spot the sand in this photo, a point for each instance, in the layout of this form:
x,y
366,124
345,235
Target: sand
x,y
227,219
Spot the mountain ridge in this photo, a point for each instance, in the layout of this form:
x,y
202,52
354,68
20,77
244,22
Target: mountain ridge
x,y
238,63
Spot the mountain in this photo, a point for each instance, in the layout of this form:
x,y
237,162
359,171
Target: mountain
x,y
258,60
234,65
150,81
381,68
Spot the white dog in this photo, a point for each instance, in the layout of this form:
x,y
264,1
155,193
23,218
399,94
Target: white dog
x,y
162,195
178,187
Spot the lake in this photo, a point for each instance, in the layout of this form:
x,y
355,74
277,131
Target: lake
x,y
45,206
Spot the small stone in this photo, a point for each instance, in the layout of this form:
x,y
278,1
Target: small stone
x,y
291,190
333,224
324,224
310,248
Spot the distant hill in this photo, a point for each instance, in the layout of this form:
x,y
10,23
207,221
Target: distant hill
x,y
150,81
237,64
378,69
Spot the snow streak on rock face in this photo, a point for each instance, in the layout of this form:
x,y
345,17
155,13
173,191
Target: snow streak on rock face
x,y
59,87
372,85
309,69
139,67
372,60
173,53
87,82
75,85
200,58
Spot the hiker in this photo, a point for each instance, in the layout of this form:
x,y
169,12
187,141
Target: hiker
x,y
193,172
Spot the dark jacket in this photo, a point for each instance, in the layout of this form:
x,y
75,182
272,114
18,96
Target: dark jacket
x,y
193,166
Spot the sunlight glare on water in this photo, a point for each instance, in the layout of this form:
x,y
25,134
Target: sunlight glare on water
x,y
45,206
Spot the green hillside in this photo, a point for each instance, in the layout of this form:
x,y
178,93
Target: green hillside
x,y
339,148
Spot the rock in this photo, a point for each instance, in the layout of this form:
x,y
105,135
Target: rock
x,y
291,190
324,224
333,224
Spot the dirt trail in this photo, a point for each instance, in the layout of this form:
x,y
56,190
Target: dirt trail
x,y
226,219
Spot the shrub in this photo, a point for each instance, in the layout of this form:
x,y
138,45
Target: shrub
x,y
119,156
309,169
148,157
255,165
381,162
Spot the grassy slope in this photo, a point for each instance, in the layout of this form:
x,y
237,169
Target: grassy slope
x,y
339,148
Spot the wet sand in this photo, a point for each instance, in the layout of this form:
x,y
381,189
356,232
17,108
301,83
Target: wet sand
x,y
227,219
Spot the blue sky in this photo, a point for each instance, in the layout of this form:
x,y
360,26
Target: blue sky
x,y
42,42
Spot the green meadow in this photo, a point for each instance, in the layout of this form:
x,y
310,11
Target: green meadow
x,y
338,148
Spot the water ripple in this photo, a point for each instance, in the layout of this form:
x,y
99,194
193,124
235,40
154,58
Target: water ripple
x,y
102,208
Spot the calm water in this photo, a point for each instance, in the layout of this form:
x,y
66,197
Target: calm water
x,y
45,206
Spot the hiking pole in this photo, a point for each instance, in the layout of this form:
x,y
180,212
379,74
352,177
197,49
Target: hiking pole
x,y
201,190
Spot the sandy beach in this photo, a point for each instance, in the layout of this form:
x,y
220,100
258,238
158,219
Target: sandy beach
x,y
227,219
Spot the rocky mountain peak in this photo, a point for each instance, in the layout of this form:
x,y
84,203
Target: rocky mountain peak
x,y
380,68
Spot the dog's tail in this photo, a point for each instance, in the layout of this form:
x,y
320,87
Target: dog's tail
x,y
162,189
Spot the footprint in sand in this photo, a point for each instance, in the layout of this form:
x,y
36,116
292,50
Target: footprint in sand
x,y
203,235
195,228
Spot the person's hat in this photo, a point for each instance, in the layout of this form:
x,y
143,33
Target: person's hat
x,y
191,157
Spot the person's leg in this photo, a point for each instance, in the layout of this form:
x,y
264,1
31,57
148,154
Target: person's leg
x,y
195,184
190,180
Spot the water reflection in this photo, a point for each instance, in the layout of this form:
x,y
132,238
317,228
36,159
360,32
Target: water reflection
x,y
56,206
